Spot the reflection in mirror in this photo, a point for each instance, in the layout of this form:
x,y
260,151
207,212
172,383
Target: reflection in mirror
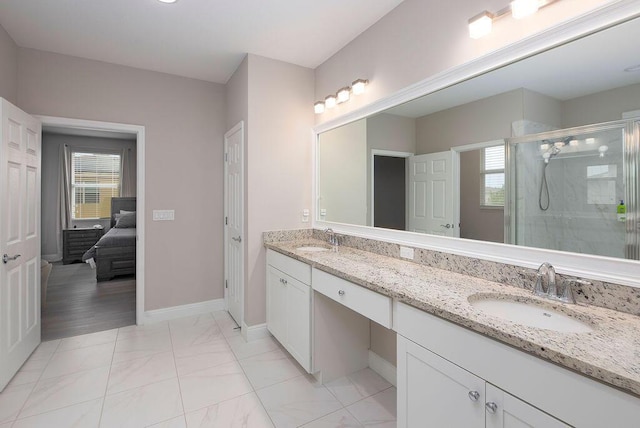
x,y
447,145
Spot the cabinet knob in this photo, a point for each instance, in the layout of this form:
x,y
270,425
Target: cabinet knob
x,y
474,395
341,293
491,407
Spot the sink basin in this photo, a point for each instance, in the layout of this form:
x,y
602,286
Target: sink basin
x,y
530,314
312,249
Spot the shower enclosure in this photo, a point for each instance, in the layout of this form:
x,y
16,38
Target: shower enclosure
x,y
566,190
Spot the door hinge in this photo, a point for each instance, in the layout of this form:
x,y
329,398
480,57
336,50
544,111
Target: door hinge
x,y
226,284
226,157
226,220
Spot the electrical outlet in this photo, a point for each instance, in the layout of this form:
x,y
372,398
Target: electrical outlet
x,y
305,215
406,253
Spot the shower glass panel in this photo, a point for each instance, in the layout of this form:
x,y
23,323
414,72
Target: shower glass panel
x,y
565,188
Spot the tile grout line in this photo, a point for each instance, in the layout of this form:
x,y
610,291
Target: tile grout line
x,y
106,387
175,366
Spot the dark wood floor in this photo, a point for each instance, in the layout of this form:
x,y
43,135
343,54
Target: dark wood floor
x,y
77,304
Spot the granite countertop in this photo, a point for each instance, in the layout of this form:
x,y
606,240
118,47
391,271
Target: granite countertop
x,y
610,353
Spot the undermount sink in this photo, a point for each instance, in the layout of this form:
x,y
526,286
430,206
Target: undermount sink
x,y
312,249
530,314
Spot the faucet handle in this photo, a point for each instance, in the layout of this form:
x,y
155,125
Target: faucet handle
x,y
538,289
567,292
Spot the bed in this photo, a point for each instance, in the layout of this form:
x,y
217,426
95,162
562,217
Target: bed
x,y
115,253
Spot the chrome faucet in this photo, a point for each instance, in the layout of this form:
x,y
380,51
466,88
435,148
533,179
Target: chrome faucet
x,y
547,271
332,237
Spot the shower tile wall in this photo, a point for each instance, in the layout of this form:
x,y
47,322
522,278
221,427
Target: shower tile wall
x,y
582,213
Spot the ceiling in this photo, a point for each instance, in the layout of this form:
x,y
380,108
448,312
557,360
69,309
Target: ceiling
x,y
592,64
200,39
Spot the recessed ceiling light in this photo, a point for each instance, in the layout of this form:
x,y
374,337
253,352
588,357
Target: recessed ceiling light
x,y
633,68
167,1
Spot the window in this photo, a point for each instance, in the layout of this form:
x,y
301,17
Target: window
x,y
95,179
492,177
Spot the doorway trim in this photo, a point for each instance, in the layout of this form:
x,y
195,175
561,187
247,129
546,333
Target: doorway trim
x,y
456,151
139,131
391,154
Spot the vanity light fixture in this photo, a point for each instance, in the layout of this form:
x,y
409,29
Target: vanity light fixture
x,y
167,1
481,24
544,147
358,86
344,94
330,101
590,140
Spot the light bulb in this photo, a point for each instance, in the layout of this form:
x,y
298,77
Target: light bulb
x,y
319,107
544,147
344,94
330,101
358,86
480,25
574,143
523,8
590,140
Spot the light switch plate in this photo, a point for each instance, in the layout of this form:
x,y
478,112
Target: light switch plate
x,y
163,215
406,253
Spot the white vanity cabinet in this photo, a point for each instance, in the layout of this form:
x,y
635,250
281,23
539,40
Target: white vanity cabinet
x,y
434,392
441,367
289,305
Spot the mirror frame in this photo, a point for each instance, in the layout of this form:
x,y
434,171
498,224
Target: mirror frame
x,y
608,269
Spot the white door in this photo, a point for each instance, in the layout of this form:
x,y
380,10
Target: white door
x,y
19,239
435,393
511,412
431,194
234,221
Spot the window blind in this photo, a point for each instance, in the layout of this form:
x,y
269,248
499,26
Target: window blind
x,y
492,177
95,179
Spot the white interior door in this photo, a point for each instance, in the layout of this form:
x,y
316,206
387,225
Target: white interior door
x,y
431,194
234,221
20,157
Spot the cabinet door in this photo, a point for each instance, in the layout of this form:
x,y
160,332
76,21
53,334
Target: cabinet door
x,y
299,322
276,304
512,412
434,393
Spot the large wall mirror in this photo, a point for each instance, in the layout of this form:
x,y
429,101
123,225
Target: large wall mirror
x,y
541,153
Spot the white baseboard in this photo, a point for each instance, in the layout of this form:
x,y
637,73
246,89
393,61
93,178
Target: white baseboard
x,y
254,332
383,367
191,309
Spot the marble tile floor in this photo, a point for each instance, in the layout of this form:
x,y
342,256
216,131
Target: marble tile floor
x,y
189,372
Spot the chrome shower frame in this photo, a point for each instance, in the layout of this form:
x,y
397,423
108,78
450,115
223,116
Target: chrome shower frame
x,y
631,175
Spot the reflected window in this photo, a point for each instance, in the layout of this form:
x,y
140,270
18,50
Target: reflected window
x,y
492,177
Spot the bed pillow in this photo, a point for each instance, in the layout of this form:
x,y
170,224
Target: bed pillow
x,y
126,220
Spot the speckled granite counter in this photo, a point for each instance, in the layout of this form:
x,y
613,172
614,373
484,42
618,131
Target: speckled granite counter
x,y
611,353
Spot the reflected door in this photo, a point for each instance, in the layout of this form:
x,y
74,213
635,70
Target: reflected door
x,y
20,153
431,194
234,221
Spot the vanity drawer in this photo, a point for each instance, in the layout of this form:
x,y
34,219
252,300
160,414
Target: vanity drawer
x,y
372,305
294,268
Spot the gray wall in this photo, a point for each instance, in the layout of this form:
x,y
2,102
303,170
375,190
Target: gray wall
x,y
601,107
51,144
8,67
184,121
278,157
484,224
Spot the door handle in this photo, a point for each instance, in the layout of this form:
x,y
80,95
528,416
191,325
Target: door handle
x,y
448,226
6,259
238,239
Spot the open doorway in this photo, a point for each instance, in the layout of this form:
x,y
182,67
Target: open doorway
x,y
92,226
389,189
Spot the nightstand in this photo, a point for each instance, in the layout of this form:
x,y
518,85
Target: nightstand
x,y
75,242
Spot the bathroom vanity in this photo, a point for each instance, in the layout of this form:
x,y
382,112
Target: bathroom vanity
x,y
457,364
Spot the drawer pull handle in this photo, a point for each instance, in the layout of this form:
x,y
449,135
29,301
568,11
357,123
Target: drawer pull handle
x,y
341,293
474,395
491,407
